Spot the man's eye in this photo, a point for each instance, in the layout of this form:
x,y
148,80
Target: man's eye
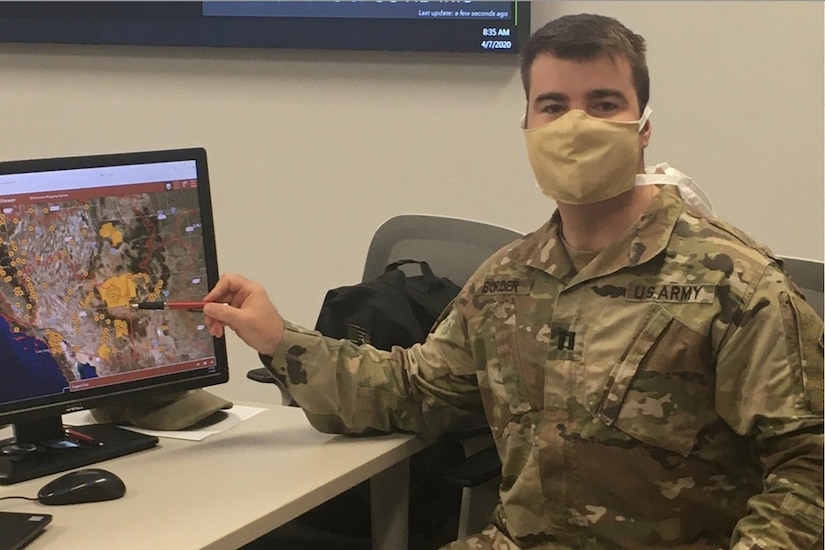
x,y
606,107
553,108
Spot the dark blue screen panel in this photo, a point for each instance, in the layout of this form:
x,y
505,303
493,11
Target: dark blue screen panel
x,y
471,26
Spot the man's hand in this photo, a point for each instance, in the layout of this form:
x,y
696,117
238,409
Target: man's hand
x,y
244,306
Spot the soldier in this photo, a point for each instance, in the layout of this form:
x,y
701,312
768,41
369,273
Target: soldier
x,y
651,377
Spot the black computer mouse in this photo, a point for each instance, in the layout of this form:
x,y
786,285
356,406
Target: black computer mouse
x,y
87,485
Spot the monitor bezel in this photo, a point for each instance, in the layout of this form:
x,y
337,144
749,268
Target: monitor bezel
x,y
34,409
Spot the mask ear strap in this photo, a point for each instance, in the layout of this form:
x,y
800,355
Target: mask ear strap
x,y
645,116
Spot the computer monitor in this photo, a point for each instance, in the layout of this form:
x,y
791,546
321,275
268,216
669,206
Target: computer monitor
x,y
81,239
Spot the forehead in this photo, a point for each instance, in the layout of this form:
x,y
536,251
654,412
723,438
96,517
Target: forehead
x,y
576,78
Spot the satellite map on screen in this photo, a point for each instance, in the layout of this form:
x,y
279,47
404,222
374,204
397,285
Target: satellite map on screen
x,y
70,265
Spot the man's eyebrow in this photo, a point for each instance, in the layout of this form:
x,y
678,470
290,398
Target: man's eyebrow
x,y
601,93
551,96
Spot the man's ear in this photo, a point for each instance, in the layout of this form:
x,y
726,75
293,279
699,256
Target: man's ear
x,y
644,135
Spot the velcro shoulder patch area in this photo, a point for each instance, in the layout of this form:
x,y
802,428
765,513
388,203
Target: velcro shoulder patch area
x,y
803,337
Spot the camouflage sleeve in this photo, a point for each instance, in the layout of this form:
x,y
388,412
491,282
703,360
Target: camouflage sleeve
x,y
770,388
345,388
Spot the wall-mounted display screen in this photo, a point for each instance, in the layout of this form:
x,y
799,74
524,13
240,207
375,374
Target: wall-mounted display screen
x,y
467,26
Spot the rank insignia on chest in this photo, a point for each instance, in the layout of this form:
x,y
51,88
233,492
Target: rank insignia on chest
x,y
566,341
681,293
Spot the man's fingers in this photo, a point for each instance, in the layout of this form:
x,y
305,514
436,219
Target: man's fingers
x,y
233,289
214,326
220,312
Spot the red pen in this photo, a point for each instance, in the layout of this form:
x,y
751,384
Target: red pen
x,y
191,306
81,437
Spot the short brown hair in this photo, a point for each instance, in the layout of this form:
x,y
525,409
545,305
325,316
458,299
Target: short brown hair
x,y
584,37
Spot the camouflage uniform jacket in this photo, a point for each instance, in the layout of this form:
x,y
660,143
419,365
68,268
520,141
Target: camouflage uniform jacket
x,y
668,395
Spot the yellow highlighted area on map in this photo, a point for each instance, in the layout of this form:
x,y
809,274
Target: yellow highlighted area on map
x,y
118,290
104,351
121,328
108,231
55,339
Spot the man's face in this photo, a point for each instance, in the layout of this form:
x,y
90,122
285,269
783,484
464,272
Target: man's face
x,y
602,87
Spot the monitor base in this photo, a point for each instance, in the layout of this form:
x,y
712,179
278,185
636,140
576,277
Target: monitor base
x,y
20,462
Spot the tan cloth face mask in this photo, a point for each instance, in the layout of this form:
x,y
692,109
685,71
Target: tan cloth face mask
x,y
580,159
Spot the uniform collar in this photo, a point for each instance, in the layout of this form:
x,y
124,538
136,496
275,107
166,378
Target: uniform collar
x,y
641,242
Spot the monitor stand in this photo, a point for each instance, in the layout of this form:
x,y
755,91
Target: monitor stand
x,y
41,447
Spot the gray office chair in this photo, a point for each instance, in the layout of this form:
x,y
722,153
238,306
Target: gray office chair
x,y
808,275
454,248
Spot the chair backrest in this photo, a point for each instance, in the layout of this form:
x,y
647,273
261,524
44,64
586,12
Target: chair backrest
x,y
808,275
453,247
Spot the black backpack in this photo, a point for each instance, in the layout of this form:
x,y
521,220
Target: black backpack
x,y
394,309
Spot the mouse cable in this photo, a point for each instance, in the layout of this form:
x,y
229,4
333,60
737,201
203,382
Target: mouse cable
x,y
24,498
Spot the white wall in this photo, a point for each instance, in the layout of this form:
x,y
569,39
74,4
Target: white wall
x,y
311,151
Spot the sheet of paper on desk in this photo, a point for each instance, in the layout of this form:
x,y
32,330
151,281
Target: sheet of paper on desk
x,y
233,417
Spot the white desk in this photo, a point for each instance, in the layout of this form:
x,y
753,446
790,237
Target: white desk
x,y
231,488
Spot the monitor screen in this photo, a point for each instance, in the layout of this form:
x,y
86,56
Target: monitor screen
x,y
81,240
470,26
